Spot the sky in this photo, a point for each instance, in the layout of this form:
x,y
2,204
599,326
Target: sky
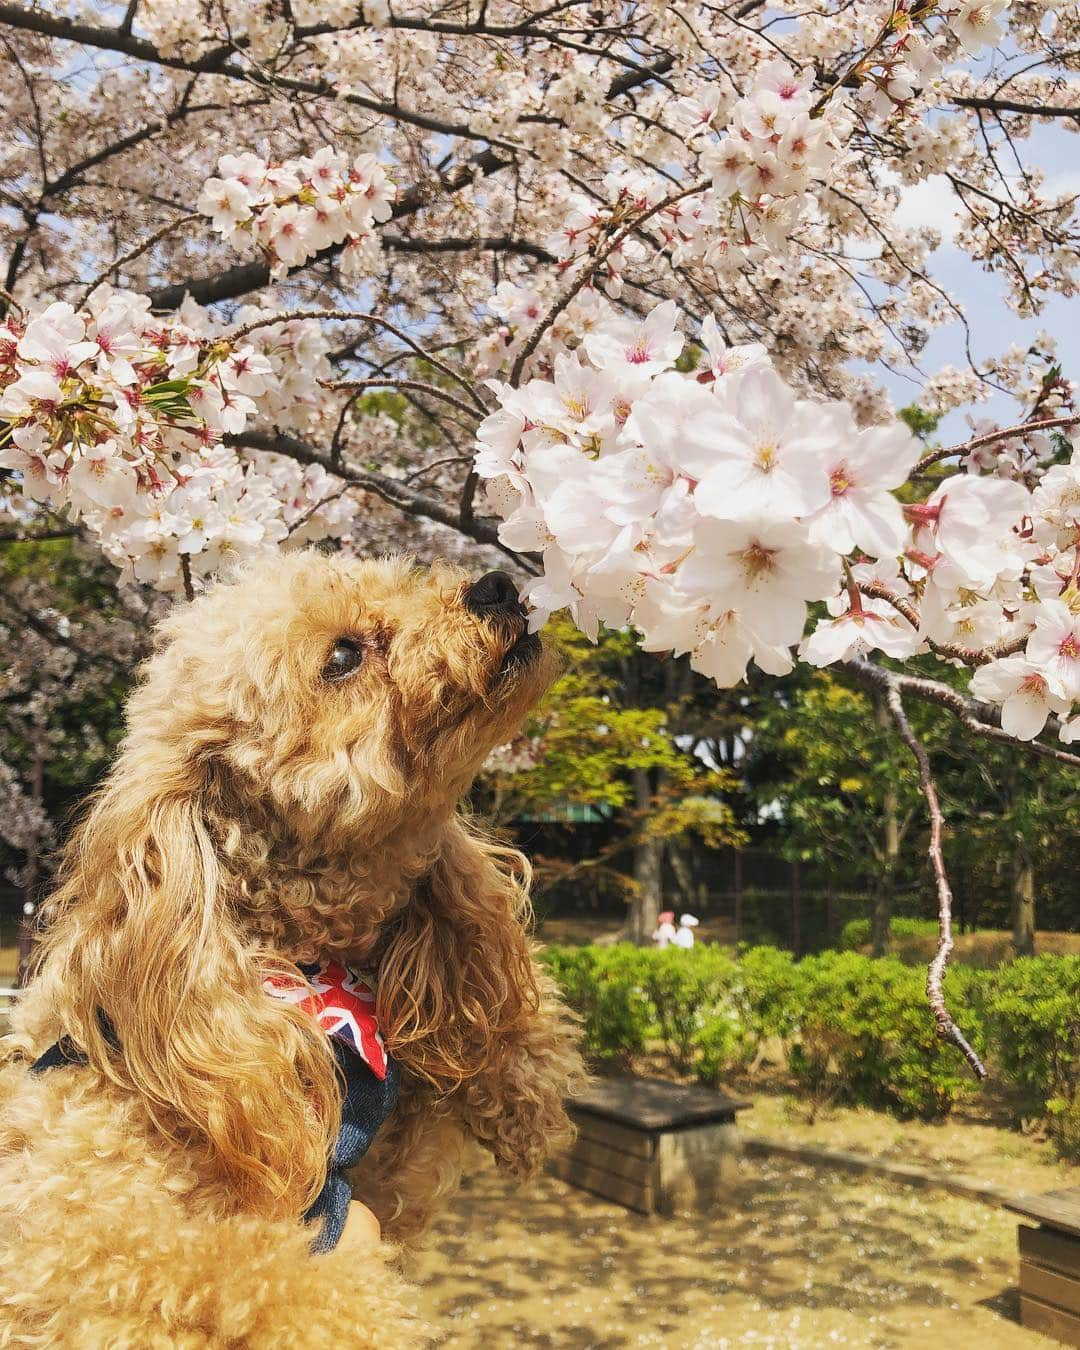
x,y
994,326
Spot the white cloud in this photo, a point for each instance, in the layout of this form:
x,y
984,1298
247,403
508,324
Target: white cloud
x,y
929,203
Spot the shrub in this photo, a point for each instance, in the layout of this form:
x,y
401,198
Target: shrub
x,y
1032,1009
690,991
722,1045
771,994
858,1030
628,996
866,1037
601,984
856,934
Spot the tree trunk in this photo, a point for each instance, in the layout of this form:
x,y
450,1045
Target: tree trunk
x,y
796,909
830,913
881,905
737,883
1023,905
648,899
678,855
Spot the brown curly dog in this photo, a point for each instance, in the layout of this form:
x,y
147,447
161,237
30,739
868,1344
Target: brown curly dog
x,y
287,791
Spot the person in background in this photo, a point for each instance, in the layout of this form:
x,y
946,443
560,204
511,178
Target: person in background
x,y
665,931
685,936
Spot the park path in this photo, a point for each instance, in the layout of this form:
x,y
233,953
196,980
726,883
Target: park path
x,y
803,1257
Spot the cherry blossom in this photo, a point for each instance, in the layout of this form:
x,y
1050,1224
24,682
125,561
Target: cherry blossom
x,y
976,24
762,454
1027,696
119,419
295,209
1054,647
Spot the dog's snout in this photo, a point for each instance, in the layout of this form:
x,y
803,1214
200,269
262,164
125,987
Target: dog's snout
x,y
493,593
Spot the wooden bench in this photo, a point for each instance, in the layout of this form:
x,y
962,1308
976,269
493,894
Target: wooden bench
x,y
1050,1264
653,1146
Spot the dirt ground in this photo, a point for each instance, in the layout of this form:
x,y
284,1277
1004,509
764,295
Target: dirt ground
x,y
801,1257
973,1141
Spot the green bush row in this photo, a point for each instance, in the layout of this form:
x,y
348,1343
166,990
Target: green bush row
x,y
856,934
854,1030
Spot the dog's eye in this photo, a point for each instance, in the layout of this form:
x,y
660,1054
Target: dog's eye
x,y
345,658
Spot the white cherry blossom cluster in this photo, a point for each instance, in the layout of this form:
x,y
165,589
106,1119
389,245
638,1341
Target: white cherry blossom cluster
x,y
779,140
295,209
516,756
758,169
519,309
710,509
295,354
119,418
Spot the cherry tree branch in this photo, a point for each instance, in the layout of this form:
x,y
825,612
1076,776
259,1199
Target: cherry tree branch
x,y
233,282
1002,434
1011,105
394,491
970,656
980,719
219,61
935,975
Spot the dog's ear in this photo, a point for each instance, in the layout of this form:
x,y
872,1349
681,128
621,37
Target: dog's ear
x,y
151,977
457,976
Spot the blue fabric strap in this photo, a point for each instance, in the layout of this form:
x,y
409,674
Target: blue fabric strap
x,y
366,1103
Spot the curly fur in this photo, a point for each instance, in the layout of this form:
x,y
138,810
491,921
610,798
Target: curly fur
x,y
259,815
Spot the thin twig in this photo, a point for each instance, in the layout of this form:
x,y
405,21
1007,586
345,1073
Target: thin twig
x,y
387,382
185,572
360,316
935,975
133,253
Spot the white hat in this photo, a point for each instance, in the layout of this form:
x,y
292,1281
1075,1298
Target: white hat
x,y
688,921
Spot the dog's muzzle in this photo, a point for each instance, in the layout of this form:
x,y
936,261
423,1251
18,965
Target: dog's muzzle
x,y
494,599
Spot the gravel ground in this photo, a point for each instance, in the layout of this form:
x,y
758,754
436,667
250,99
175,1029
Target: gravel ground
x,y
802,1257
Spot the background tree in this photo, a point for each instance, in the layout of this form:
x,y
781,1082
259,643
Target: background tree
x,y
68,642
613,736
848,794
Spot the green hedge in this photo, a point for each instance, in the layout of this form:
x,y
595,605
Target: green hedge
x,y
855,1030
1031,1010
856,934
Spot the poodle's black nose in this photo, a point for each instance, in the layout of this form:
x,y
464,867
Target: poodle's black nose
x,y
494,593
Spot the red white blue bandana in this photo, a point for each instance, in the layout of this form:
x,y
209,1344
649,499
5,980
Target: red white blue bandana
x,y
342,1004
